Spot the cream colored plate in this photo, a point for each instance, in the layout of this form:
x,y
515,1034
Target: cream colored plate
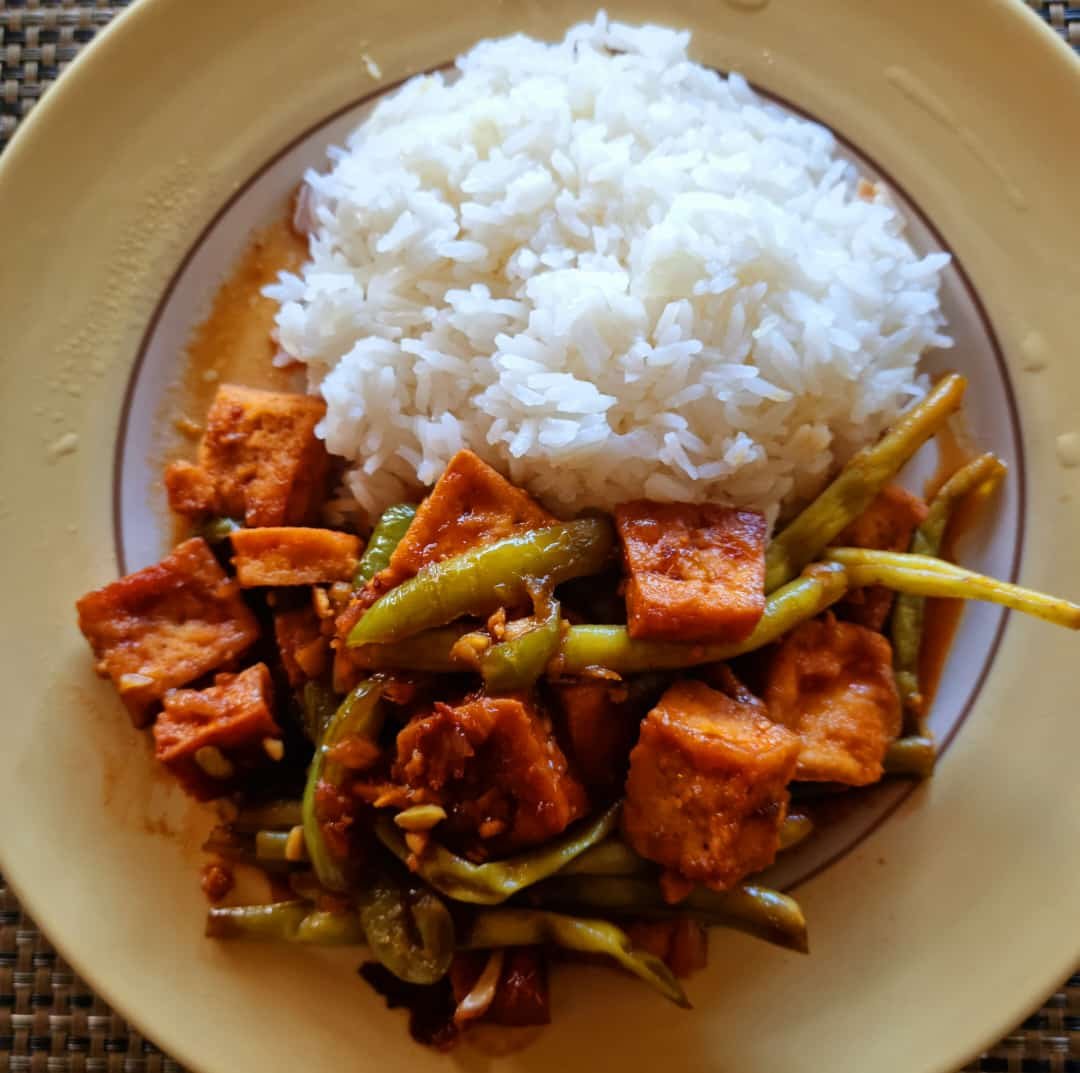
x,y
931,938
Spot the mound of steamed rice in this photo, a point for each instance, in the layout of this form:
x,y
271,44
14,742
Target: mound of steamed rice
x,y
611,272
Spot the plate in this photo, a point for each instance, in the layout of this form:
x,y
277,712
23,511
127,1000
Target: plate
x,y
938,918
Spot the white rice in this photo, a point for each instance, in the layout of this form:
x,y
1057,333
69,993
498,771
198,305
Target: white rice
x,y
612,273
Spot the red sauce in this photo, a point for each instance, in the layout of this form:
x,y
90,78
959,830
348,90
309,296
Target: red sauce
x,y
235,343
943,616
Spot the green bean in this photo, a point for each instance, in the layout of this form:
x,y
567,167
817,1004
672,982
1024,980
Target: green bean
x,y
428,651
915,755
274,814
922,575
481,580
760,911
217,530
360,715
612,648
317,704
239,847
612,857
795,829
497,928
410,932
270,845
291,922
495,881
855,487
385,537
518,663
910,610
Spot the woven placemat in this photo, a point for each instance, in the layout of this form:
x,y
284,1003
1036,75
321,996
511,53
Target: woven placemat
x,y
50,1021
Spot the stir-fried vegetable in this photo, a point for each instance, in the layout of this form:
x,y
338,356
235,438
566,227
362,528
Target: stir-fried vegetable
x,y
864,476
795,829
274,814
481,580
612,647
922,575
516,664
218,530
526,927
495,881
766,913
360,715
409,931
911,756
385,537
981,473
292,922
317,706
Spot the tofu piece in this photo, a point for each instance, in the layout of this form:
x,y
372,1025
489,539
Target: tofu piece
x,y
494,765
470,506
166,626
259,460
888,524
707,789
293,555
208,737
832,684
304,650
597,730
695,572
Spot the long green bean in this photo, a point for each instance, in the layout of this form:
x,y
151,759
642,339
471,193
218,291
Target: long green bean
x,y
410,932
498,928
385,537
481,580
922,575
274,814
760,911
359,715
795,829
858,483
517,664
915,755
910,610
318,703
291,922
495,881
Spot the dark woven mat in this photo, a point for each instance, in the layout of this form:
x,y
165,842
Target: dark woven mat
x,y
50,1021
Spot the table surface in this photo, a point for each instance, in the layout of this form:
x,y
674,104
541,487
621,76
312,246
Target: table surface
x,y
50,1021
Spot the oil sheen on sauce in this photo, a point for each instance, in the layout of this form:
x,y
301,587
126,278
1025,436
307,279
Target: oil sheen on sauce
x,y
943,616
234,343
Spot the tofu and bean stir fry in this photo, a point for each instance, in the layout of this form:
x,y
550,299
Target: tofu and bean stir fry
x,y
480,736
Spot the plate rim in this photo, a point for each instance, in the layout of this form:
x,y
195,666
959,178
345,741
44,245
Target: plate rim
x,y
114,36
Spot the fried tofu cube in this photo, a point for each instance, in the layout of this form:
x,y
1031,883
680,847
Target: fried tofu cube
x,y
471,505
695,572
832,684
707,789
304,650
888,524
206,737
259,460
494,765
166,626
293,555
597,730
